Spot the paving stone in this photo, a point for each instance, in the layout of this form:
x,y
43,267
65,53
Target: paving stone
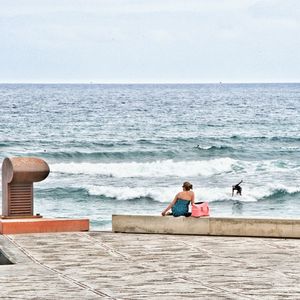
x,y
105,265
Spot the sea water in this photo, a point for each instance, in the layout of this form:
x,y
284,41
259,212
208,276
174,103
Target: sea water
x,y
127,149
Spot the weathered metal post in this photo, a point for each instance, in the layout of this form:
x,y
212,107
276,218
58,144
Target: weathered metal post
x,y
18,175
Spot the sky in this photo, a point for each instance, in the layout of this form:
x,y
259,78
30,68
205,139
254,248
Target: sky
x,y
149,41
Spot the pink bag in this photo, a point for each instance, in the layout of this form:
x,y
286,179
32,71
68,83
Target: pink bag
x,y
200,210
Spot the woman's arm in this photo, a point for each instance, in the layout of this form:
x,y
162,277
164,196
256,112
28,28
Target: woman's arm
x,y
170,206
193,198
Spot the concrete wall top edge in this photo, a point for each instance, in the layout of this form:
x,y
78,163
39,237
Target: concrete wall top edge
x,y
244,219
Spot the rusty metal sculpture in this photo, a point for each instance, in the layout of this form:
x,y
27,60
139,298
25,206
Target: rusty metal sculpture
x,y
18,175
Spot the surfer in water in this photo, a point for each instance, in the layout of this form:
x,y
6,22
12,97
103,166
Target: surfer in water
x,y
237,188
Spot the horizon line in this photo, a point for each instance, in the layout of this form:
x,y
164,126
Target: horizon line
x,y
148,82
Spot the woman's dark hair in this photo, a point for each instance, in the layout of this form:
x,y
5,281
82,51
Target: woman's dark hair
x,y
187,186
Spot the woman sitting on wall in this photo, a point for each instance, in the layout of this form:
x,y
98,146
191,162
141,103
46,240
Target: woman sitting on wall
x,y
180,204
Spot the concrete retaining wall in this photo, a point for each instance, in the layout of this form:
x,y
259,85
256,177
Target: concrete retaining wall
x,y
281,228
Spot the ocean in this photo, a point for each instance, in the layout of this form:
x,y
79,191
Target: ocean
x,y
127,149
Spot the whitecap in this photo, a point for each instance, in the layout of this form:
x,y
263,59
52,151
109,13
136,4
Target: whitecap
x,y
149,169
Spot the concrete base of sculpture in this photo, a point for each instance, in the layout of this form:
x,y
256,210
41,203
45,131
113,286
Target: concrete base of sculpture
x,y
255,227
40,225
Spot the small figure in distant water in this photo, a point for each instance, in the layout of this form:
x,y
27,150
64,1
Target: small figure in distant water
x,y
237,188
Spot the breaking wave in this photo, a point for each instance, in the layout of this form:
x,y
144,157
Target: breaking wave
x,y
166,194
149,169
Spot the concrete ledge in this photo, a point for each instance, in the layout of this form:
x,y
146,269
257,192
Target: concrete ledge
x,y
255,227
40,225
283,228
155,224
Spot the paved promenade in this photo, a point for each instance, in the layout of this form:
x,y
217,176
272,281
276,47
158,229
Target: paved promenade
x,y
104,265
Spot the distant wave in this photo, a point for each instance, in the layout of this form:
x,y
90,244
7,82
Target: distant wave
x,y
215,148
63,192
215,125
159,168
79,155
274,138
239,137
285,139
46,144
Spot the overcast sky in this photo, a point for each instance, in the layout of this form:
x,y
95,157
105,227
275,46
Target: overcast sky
x,y
149,41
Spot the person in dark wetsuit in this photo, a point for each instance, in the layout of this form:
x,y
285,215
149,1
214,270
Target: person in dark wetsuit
x,y
237,188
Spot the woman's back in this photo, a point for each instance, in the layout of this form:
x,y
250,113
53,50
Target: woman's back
x,y
181,206
181,202
185,195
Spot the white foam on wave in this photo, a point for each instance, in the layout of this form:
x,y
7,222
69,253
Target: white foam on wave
x,y
149,169
126,193
161,194
166,194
